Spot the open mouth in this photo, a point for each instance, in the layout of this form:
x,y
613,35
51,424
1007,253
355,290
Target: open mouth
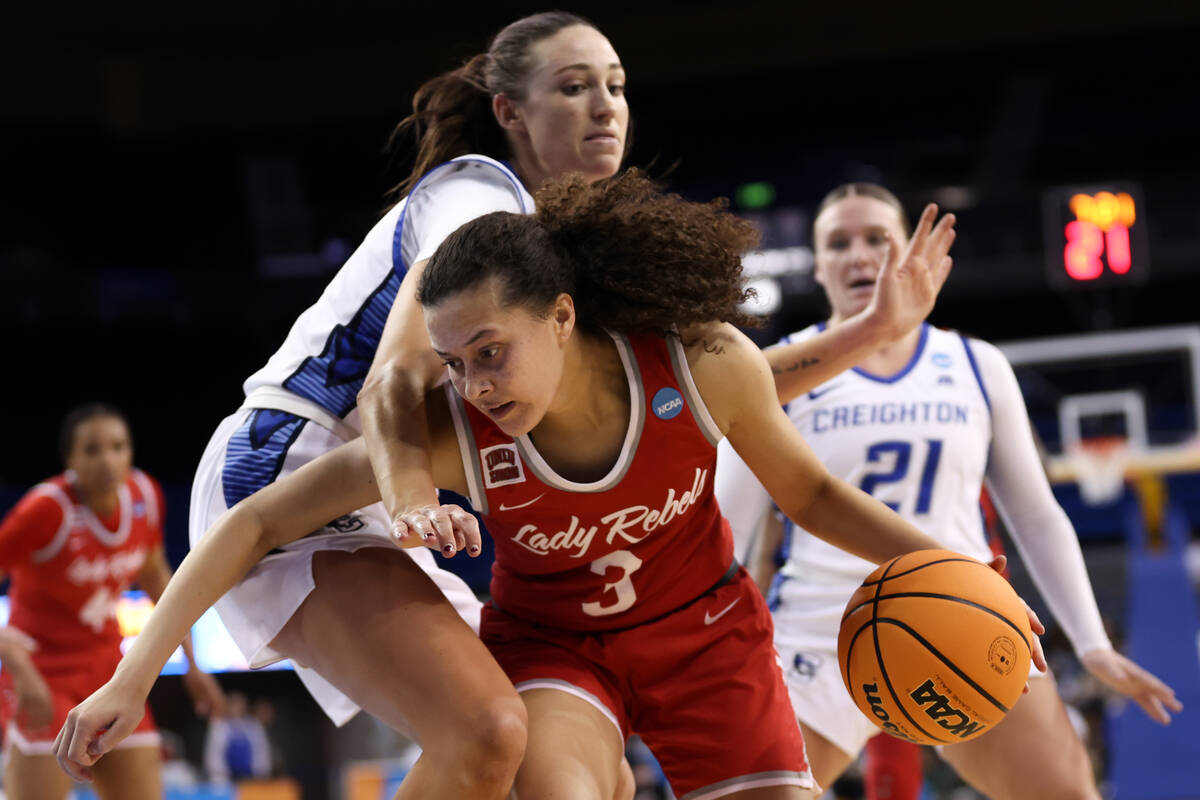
x,y
500,410
862,283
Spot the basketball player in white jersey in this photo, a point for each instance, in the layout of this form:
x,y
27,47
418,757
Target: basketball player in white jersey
x,y
546,99
920,424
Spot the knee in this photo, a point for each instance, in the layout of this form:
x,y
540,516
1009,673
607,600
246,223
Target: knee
x,y
501,731
492,740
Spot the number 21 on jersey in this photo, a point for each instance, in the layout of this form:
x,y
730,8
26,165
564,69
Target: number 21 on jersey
x,y
900,455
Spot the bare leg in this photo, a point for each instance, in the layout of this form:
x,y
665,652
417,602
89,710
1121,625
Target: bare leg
x,y
826,760
34,777
129,773
574,751
377,627
1033,752
626,783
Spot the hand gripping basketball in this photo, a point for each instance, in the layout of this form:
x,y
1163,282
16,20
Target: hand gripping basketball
x,y
935,647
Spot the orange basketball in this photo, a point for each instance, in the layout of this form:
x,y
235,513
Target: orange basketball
x,y
935,647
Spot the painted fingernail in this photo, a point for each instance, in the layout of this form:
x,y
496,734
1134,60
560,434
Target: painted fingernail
x,y
448,549
474,550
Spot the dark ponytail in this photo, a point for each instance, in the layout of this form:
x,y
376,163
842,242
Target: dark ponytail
x,y
452,113
632,257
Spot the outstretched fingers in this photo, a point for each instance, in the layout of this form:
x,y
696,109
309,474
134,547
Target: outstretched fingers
x,y
919,241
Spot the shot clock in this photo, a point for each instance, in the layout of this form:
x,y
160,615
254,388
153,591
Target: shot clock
x,y
1095,236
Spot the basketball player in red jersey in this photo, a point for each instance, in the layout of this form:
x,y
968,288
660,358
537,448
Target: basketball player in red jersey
x,y
588,445
72,545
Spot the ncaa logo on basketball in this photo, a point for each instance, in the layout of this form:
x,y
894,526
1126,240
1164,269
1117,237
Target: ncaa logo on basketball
x,y
667,403
939,709
1002,655
501,465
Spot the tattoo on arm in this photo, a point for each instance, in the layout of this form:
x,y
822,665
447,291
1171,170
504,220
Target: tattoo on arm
x,y
801,364
715,349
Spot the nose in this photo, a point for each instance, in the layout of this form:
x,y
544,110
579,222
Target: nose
x,y
604,106
862,253
476,387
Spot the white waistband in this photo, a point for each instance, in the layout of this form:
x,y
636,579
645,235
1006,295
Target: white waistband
x,y
283,400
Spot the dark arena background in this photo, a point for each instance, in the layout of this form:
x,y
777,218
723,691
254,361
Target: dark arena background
x,y
180,181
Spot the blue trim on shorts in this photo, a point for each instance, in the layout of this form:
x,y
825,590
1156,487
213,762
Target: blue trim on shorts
x,y
255,453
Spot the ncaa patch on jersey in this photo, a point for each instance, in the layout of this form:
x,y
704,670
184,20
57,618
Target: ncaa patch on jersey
x,y
667,403
941,359
501,465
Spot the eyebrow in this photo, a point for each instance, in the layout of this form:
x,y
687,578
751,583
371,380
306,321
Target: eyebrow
x,y
614,65
868,228
478,334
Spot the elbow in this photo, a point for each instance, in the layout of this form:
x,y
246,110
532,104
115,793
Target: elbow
x,y
394,381
248,522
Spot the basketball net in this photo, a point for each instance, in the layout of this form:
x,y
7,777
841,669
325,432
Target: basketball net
x,y
1100,463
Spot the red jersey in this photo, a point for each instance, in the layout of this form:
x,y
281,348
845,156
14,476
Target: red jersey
x,y
640,542
69,567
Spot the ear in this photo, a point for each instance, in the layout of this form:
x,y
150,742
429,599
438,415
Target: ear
x,y
507,113
564,317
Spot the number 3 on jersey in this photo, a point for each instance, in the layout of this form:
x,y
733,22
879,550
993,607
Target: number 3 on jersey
x,y
623,586
902,451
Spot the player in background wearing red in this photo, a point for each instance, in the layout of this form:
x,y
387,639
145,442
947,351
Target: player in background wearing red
x,y
589,449
547,98
72,545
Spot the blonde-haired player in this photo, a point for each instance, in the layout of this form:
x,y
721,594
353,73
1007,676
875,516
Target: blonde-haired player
x,y
921,424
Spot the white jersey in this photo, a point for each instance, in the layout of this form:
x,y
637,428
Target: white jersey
x,y
917,440
923,441
320,368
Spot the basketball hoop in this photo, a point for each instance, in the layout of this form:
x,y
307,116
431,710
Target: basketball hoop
x,y
1100,463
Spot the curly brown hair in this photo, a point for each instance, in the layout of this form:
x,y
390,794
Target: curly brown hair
x,y
632,257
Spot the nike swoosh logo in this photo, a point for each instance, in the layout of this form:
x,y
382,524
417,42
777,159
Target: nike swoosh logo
x,y
521,505
709,619
814,394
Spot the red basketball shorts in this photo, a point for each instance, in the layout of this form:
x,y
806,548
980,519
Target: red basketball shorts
x,y
701,686
70,684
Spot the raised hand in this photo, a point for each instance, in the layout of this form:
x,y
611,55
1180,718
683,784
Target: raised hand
x,y
907,286
445,528
1120,674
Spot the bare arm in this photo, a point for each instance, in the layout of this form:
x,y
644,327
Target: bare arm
x,y
391,407
206,693
735,381
324,489
33,694
905,291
